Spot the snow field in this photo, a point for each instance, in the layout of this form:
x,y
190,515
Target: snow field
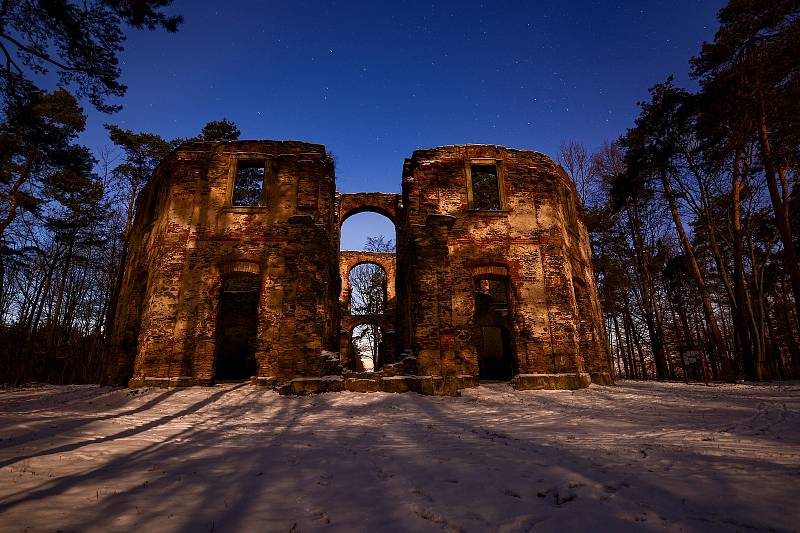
x,y
637,456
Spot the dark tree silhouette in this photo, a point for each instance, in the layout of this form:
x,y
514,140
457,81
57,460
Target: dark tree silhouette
x,y
219,130
79,40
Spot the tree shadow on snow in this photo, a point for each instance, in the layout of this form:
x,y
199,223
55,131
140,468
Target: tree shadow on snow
x,y
367,462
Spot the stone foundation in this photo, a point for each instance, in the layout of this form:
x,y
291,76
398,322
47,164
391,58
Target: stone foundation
x,y
163,383
365,383
551,381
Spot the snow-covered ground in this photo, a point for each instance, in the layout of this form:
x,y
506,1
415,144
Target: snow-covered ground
x,y
637,456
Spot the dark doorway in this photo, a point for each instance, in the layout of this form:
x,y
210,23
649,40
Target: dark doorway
x,y
494,357
238,327
493,321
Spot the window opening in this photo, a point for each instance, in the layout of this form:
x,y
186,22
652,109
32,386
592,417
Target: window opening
x,y
485,188
248,188
368,294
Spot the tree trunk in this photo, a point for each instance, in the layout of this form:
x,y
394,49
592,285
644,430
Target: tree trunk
x,y
631,330
619,346
780,205
694,269
740,308
120,273
649,306
788,321
13,202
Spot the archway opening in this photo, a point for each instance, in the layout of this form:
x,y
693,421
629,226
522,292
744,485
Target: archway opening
x,y
237,326
368,298
368,346
493,323
369,232
367,289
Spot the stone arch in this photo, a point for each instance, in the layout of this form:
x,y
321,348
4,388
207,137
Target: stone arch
x,y
364,202
348,260
495,269
495,273
489,270
241,265
349,322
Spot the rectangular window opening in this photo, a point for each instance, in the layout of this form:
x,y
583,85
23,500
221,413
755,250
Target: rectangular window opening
x,y
485,188
248,189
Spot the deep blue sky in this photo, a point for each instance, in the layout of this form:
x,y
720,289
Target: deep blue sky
x,y
374,81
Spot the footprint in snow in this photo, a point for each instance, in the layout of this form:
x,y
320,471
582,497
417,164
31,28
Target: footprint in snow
x,y
321,516
614,487
422,494
558,496
521,523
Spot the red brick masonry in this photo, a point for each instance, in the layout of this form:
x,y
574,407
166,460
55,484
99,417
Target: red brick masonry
x,y
188,239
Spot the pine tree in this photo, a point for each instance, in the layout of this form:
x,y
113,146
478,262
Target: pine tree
x,y
754,61
79,40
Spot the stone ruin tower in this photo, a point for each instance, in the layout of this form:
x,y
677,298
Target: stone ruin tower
x,y
234,272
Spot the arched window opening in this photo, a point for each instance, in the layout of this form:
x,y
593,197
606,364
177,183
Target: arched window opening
x,y
237,326
367,289
369,232
367,341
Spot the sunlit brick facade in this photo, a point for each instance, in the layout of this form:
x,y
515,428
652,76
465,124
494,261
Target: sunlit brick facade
x,y
234,271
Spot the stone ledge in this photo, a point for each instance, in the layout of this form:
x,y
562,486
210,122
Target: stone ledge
x,y
362,385
163,383
306,386
364,382
264,381
466,381
435,219
551,381
428,385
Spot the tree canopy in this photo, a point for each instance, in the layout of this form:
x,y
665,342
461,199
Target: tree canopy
x,y
219,130
79,40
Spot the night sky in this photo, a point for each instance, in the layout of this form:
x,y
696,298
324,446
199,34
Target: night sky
x,y
375,81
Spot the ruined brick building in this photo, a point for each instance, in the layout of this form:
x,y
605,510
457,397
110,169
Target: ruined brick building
x,y
234,271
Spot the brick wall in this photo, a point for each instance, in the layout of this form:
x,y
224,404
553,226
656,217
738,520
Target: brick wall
x,y
187,238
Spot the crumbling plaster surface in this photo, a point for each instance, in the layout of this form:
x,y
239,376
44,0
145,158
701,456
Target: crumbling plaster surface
x,y
538,236
196,235
187,238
